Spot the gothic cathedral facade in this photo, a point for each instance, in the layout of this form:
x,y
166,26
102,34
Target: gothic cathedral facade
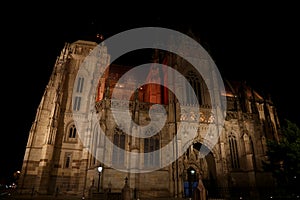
x,y
58,157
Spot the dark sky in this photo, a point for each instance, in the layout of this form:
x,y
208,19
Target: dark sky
x,y
252,42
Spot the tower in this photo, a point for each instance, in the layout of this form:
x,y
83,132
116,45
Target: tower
x,y
54,157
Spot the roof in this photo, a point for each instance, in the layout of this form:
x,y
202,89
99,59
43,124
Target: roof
x,y
234,88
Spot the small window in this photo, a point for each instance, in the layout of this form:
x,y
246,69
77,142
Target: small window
x,y
71,134
68,160
80,84
72,131
76,105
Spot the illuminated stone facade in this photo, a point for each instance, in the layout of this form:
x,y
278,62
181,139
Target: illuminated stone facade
x,y
56,159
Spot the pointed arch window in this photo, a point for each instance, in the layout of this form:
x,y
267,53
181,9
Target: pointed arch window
x,y
195,84
234,156
67,163
118,156
71,133
151,153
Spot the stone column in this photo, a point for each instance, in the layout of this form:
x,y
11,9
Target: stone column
x,y
126,190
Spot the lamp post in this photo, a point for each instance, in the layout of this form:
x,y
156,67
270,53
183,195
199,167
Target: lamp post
x,y
99,173
191,177
17,177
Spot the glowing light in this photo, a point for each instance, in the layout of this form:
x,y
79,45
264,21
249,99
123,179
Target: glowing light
x,y
100,169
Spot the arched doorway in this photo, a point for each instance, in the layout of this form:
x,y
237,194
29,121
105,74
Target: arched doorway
x,y
191,182
196,164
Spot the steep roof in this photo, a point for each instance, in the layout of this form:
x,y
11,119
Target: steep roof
x,y
233,88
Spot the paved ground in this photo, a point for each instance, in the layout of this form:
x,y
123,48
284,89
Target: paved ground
x,y
29,197
25,197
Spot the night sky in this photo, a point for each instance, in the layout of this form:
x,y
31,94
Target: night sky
x,y
254,43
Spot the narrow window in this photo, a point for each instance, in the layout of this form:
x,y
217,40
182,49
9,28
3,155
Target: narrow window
x,y
76,105
68,160
234,156
194,88
151,155
119,147
80,85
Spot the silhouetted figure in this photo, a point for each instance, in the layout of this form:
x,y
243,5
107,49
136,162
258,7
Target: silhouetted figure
x,y
200,191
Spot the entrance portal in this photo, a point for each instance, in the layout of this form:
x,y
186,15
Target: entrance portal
x,y
195,163
191,183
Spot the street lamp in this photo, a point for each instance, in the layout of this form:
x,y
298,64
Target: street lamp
x,y
191,179
99,173
16,177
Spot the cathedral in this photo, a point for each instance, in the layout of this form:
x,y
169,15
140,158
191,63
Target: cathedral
x,y
66,146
